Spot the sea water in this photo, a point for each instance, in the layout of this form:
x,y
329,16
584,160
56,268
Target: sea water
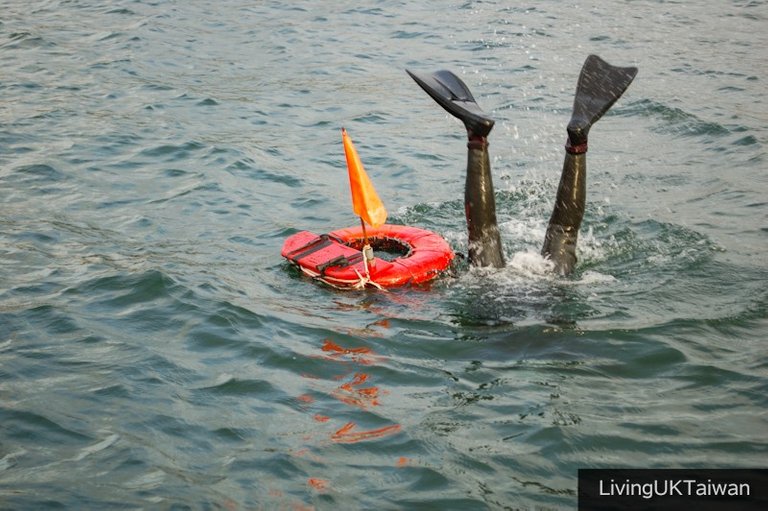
x,y
157,353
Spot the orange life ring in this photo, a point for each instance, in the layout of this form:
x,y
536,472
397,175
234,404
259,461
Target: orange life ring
x,y
336,258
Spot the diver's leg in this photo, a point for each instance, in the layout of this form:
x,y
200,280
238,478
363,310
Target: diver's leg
x,y
563,229
479,202
480,207
600,85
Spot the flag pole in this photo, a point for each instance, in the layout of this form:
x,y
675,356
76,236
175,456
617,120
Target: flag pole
x,y
365,234
367,249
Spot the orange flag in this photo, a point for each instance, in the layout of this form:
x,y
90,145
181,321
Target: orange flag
x,y
365,201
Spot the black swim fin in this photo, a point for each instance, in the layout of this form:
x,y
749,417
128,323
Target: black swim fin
x,y
452,94
600,85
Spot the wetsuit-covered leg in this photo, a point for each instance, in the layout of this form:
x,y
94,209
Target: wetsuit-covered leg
x,y
563,229
480,207
600,85
480,204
